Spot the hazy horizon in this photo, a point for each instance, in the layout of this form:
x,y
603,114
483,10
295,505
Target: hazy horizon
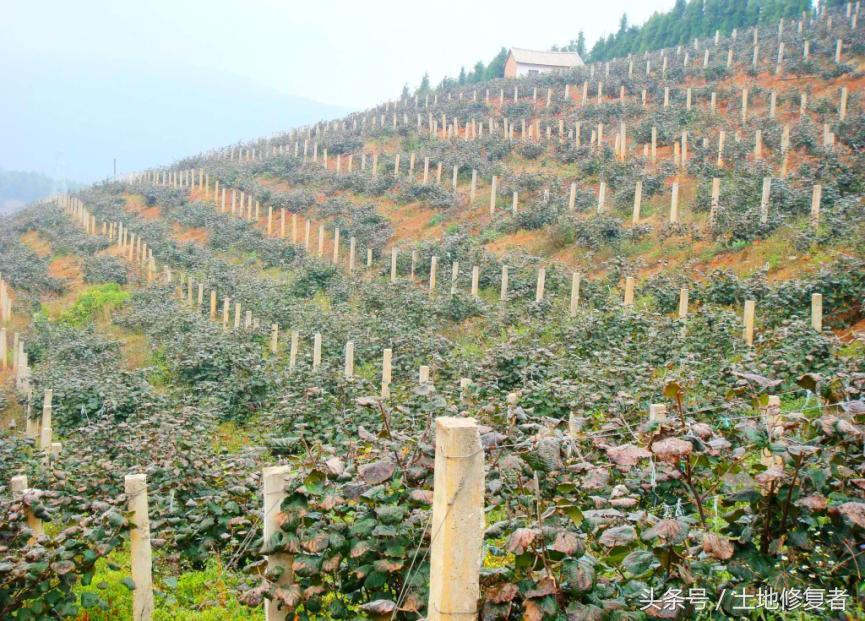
x,y
150,83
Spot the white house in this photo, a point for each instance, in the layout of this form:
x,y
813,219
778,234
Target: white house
x,y
521,62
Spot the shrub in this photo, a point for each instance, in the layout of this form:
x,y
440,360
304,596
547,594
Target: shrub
x,y
105,269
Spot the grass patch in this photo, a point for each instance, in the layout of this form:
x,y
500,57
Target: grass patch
x,y
230,437
202,595
92,301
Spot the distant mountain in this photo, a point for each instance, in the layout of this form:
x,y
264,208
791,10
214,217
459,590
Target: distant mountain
x,y
17,188
67,122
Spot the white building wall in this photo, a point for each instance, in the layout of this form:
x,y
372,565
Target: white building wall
x,y
523,69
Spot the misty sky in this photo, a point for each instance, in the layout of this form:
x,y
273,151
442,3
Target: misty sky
x,y
352,54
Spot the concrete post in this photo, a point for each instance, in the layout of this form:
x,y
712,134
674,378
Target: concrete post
x,y
45,436
764,199
683,303
575,293
748,320
503,293
292,355
386,372
638,199
817,311
539,287
316,351
602,193
657,412
674,203
476,274
629,291
349,359
274,478
423,375
457,522
393,252
816,197
493,196
18,485
139,543
433,265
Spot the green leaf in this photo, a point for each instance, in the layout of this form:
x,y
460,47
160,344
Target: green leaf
x,y
639,562
90,600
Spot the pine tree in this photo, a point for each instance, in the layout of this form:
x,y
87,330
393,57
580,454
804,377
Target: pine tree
x,y
581,44
496,68
424,88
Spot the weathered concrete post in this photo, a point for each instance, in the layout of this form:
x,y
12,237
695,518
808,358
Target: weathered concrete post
x,y
764,200
602,194
458,521
493,196
716,196
349,359
539,287
316,351
629,291
274,478
674,203
274,338
18,485
575,293
45,436
721,135
638,199
433,265
817,311
816,196
503,292
748,320
683,303
386,371
476,275
657,412
139,543
292,355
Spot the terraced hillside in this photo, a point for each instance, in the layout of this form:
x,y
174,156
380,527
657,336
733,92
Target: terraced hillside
x,y
643,281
